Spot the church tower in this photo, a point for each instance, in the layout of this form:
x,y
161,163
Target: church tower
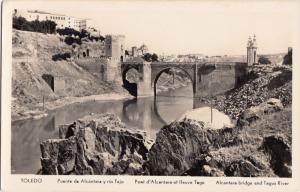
x,y
252,51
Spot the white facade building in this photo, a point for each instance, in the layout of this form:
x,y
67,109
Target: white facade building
x,y
62,21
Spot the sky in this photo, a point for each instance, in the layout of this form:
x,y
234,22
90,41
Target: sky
x,y
181,27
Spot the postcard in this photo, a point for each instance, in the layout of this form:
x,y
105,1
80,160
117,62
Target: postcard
x,y
150,95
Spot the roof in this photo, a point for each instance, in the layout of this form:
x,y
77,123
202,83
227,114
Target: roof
x,y
43,12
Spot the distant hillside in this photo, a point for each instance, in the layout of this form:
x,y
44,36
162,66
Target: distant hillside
x,y
275,59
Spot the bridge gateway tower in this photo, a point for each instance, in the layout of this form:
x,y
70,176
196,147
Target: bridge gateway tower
x,y
252,50
115,52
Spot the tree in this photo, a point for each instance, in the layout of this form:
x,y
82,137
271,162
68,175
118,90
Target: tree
x,y
143,49
154,57
69,32
83,34
150,57
21,23
102,38
147,57
71,40
264,60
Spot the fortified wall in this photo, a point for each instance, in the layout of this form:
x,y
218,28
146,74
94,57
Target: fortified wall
x,y
105,69
219,78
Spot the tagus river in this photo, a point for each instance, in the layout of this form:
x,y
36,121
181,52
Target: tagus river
x,y
146,114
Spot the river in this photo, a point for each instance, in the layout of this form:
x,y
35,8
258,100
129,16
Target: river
x,y
147,114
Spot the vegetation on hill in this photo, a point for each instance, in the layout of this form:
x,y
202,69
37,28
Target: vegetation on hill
x,y
150,57
21,23
264,60
72,33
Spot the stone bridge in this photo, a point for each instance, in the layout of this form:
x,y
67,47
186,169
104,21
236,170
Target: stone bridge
x,y
207,78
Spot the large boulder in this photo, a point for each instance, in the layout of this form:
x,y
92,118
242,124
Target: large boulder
x,y
58,156
223,163
280,151
211,118
178,145
252,114
96,144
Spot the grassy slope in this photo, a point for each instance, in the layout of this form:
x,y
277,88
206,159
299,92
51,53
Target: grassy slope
x,y
264,82
279,123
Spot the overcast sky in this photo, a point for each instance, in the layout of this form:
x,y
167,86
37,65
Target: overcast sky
x,y
212,28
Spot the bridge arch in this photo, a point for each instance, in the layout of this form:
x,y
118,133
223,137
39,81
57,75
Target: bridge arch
x,y
157,75
49,79
130,87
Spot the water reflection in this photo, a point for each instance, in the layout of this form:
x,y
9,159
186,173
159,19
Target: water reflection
x,y
143,114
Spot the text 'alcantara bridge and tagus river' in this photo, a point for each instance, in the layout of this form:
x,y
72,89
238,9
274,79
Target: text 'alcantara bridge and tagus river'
x,y
207,78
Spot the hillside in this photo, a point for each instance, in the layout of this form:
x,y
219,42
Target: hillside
x,y
264,82
32,57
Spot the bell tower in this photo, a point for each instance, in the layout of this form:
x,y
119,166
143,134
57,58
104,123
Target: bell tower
x,y
252,50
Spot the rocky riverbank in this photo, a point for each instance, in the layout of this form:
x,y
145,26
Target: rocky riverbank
x,y
40,110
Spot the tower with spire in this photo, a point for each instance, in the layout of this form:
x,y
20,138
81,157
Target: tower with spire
x,y
252,50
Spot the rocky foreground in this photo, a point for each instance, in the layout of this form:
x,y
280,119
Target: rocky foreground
x,y
259,145
101,144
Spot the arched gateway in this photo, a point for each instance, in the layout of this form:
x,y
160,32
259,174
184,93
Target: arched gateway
x,y
207,78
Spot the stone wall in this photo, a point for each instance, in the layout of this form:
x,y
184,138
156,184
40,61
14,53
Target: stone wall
x,y
59,83
105,69
219,80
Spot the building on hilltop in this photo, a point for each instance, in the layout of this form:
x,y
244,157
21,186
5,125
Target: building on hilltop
x,y
61,20
30,15
134,51
252,50
115,46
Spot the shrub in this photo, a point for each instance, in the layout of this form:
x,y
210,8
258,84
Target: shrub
x,y
59,57
150,57
21,23
71,40
68,31
154,57
264,60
